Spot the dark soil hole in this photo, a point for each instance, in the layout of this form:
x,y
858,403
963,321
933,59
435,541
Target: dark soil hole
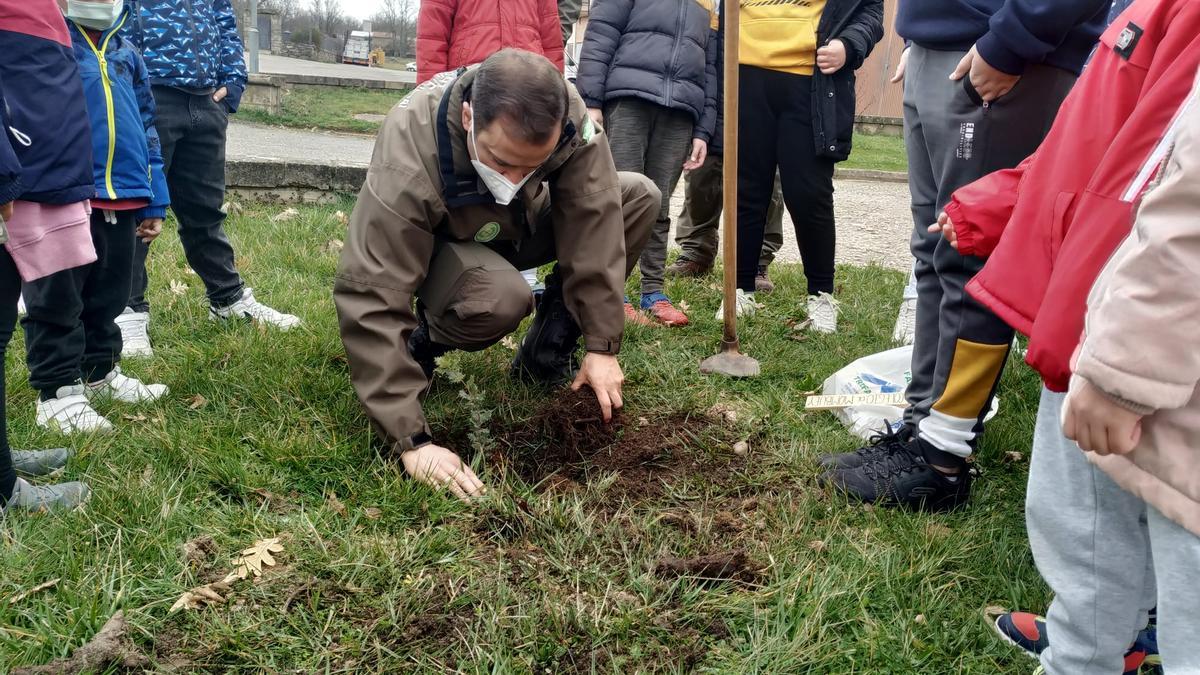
x,y
728,565
568,443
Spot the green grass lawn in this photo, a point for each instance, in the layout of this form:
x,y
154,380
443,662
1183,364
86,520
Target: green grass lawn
x,y
262,437
328,108
878,153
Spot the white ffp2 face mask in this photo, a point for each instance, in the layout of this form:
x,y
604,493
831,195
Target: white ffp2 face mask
x,y
95,15
502,189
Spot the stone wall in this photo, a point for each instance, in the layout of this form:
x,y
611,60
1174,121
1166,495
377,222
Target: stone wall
x,y
264,92
306,52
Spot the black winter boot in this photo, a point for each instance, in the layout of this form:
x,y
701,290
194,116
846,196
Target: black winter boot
x,y
547,356
422,347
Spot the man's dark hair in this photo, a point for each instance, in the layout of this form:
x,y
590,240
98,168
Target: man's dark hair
x,y
524,92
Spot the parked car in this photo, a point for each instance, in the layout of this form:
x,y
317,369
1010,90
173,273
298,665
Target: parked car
x,y
411,67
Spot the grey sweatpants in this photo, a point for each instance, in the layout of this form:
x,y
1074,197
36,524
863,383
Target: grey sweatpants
x,y
953,139
652,140
1109,558
697,231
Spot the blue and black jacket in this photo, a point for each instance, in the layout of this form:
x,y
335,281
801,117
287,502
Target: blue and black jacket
x,y
44,151
191,45
127,155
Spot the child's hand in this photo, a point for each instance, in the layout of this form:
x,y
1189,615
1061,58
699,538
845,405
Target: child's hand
x,y
149,229
597,116
6,211
1097,423
946,227
831,57
696,158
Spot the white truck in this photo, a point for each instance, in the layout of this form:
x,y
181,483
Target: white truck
x,y
358,48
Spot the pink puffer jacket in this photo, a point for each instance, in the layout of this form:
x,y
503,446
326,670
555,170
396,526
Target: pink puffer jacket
x,y
1142,344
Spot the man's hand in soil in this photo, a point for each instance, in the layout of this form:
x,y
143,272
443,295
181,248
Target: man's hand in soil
x,y
989,83
439,467
603,374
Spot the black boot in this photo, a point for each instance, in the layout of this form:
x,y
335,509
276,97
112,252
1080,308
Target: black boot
x,y
422,347
547,356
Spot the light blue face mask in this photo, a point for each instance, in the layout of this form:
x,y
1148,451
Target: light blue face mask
x,y
502,189
95,15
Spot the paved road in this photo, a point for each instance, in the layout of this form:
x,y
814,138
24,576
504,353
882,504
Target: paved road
x,y
282,65
254,141
874,221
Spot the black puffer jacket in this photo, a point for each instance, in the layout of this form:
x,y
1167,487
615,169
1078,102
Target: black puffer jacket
x,y
859,25
663,51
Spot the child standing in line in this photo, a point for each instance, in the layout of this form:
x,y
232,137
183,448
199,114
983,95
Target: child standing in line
x,y
1116,536
73,344
648,73
45,181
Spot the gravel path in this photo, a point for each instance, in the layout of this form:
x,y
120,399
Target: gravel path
x,y
873,219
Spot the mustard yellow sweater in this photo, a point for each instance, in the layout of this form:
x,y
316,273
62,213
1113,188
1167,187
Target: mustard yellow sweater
x,y
780,34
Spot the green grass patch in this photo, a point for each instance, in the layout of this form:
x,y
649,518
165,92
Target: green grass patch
x,y
877,153
328,108
262,427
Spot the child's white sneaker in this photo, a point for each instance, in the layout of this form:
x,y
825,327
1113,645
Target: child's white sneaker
x,y
135,334
823,312
744,305
906,323
69,412
248,308
119,387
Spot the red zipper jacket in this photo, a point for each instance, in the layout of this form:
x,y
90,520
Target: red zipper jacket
x,y
456,33
1048,226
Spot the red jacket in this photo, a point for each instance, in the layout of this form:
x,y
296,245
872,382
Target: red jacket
x,y
456,33
1048,226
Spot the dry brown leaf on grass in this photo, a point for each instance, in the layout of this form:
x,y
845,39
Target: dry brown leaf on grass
x,y
197,402
285,215
178,287
684,306
36,589
201,596
341,217
334,246
372,513
509,343
252,560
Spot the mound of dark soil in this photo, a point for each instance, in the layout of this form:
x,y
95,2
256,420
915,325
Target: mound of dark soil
x,y
568,443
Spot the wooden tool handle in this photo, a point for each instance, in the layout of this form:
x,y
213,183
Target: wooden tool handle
x,y
730,174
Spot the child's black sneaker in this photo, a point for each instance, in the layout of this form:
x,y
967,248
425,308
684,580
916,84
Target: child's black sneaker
x,y
902,477
877,446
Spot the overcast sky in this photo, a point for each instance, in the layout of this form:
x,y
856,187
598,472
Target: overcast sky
x,y
362,9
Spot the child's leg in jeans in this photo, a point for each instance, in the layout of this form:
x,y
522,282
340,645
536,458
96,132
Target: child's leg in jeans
x,y
1090,543
106,291
1176,564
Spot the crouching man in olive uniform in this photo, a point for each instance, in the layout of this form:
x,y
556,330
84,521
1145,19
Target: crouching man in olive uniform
x,y
477,175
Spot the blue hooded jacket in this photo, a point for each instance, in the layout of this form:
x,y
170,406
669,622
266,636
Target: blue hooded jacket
x,y
125,147
191,44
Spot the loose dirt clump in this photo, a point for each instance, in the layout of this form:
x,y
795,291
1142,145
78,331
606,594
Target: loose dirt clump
x,y
110,647
568,443
728,565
